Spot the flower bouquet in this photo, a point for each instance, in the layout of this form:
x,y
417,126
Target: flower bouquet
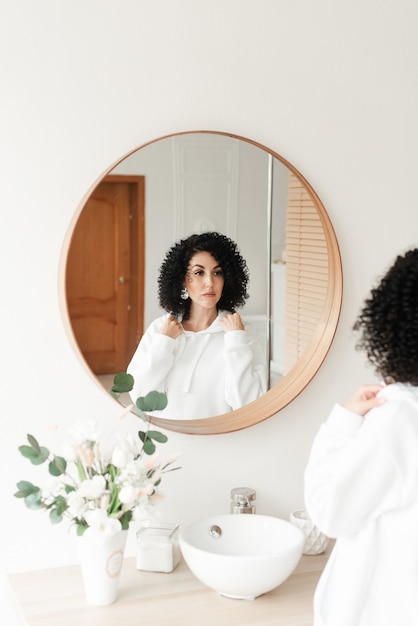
x,y
99,490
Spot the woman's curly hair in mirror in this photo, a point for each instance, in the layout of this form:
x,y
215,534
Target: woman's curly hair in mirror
x,y
176,263
388,322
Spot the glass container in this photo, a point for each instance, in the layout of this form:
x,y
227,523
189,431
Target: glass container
x,y
157,547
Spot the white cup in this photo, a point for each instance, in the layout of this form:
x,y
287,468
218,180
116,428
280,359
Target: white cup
x,y
315,541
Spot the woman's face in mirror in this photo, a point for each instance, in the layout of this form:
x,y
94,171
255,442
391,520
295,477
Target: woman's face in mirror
x,y
204,281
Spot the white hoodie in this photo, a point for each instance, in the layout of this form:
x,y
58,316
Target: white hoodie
x,y
361,486
204,374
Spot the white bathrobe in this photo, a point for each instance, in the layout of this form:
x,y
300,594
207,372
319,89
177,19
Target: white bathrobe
x,y
204,374
361,487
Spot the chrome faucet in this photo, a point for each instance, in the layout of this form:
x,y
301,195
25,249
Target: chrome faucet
x,y
242,500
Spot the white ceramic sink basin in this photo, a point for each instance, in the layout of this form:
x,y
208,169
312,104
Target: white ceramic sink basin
x,y
242,556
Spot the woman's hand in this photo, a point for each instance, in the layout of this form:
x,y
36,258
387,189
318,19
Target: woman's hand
x,y
232,321
171,327
364,399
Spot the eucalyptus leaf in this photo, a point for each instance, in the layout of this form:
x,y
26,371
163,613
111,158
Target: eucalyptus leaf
x,y
60,505
57,466
25,489
55,517
33,442
157,436
153,401
147,443
149,447
81,528
36,455
122,383
34,500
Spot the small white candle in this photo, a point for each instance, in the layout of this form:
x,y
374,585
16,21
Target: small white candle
x,y
157,548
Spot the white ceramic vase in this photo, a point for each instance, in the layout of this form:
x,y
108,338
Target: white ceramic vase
x,y
101,564
315,541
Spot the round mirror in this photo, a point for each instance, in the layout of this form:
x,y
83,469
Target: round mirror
x,y
195,182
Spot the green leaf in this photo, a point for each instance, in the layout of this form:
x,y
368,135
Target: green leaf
x,y
60,505
36,455
148,445
25,489
33,442
57,466
80,468
55,517
34,500
122,383
125,519
81,528
157,436
153,401
147,440
114,499
152,434
112,472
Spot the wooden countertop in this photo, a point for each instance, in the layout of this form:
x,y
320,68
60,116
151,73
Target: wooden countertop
x,y
54,597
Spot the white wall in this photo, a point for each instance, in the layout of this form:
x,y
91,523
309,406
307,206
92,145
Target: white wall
x,y
330,86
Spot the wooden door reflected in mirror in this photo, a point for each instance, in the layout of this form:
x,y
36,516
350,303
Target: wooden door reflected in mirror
x,y
105,274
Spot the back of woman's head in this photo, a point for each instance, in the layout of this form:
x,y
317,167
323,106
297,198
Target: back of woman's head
x,y
176,263
388,322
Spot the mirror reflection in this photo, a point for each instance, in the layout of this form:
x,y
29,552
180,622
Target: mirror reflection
x,y
201,353
193,183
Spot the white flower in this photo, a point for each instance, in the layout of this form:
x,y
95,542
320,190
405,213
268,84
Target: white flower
x,y
100,525
54,487
77,505
133,473
124,451
127,495
105,501
120,457
70,453
92,488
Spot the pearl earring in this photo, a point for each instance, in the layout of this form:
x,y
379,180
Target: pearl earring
x,y
184,293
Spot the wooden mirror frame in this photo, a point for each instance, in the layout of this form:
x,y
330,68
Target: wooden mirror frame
x,y
295,381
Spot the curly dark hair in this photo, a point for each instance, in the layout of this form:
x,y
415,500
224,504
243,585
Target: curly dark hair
x,y
176,262
388,322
